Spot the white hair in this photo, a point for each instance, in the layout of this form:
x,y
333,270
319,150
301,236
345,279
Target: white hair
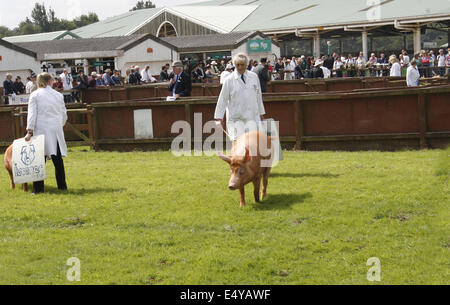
x,y
239,59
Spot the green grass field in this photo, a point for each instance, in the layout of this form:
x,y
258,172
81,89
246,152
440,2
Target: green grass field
x,y
152,218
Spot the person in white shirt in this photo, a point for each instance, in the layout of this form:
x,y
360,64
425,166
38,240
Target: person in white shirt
x,y
241,100
326,72
289,70
406,59
337,65
395,68
412,74
67,81
147,76
47,116
361,64
31,85
441,62
225,74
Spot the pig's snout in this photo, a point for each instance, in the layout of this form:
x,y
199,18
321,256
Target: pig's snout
x,y
232,187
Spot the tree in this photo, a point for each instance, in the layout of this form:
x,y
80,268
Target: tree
x,y
140,5
40,17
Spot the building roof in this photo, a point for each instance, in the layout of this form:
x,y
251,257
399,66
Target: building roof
x,y
40,37
292,14
223,19
210,42
121,25
82,46
17,48
270,16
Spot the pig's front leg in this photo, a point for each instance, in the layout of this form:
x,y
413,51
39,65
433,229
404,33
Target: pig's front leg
x,y
265,182
257,186
242,192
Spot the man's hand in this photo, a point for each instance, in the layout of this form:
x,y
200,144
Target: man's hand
x,y
177,95
262,118
172,81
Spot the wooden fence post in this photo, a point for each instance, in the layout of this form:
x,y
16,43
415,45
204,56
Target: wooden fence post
x,y
423,124
299,125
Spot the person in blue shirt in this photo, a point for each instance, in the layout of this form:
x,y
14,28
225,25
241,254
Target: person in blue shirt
x,y
99,82
117,79
107,80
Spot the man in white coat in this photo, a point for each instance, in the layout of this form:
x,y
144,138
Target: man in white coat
x,y
412,74
67,81
241,99
147,76
47,116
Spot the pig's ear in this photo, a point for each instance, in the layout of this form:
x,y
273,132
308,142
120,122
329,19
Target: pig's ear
x,y
247,155
224,158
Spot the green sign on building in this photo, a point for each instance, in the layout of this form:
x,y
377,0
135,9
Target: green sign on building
x,y
98,63
259,46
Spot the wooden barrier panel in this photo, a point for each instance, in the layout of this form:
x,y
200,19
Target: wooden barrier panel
x,y
377,119
129,93
13,121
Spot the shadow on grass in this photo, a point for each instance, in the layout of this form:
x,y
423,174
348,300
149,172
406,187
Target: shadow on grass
x,y
282,201
304,175
82,191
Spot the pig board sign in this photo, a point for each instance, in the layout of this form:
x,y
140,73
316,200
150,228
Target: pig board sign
x,y
28,160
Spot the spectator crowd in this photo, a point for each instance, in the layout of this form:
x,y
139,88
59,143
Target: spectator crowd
x,y
423,64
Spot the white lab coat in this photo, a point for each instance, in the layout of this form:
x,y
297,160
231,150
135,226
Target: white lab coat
x,y
242,103
147,77
67,81
326,72
224,76
412,76
47,116
396,69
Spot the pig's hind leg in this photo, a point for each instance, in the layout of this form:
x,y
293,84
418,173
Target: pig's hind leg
x,y
13,186
266,174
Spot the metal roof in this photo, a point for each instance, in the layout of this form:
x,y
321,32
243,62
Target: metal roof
x,y
40,37
120,25
292,14
270,16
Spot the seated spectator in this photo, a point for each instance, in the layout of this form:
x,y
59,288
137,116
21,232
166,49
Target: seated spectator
x,y
317,71
146,76
31,85
137,74
164,75
19,87
8,87
117,78
58,84
106,78
92,82
99,81
132,79
298,69
337,66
